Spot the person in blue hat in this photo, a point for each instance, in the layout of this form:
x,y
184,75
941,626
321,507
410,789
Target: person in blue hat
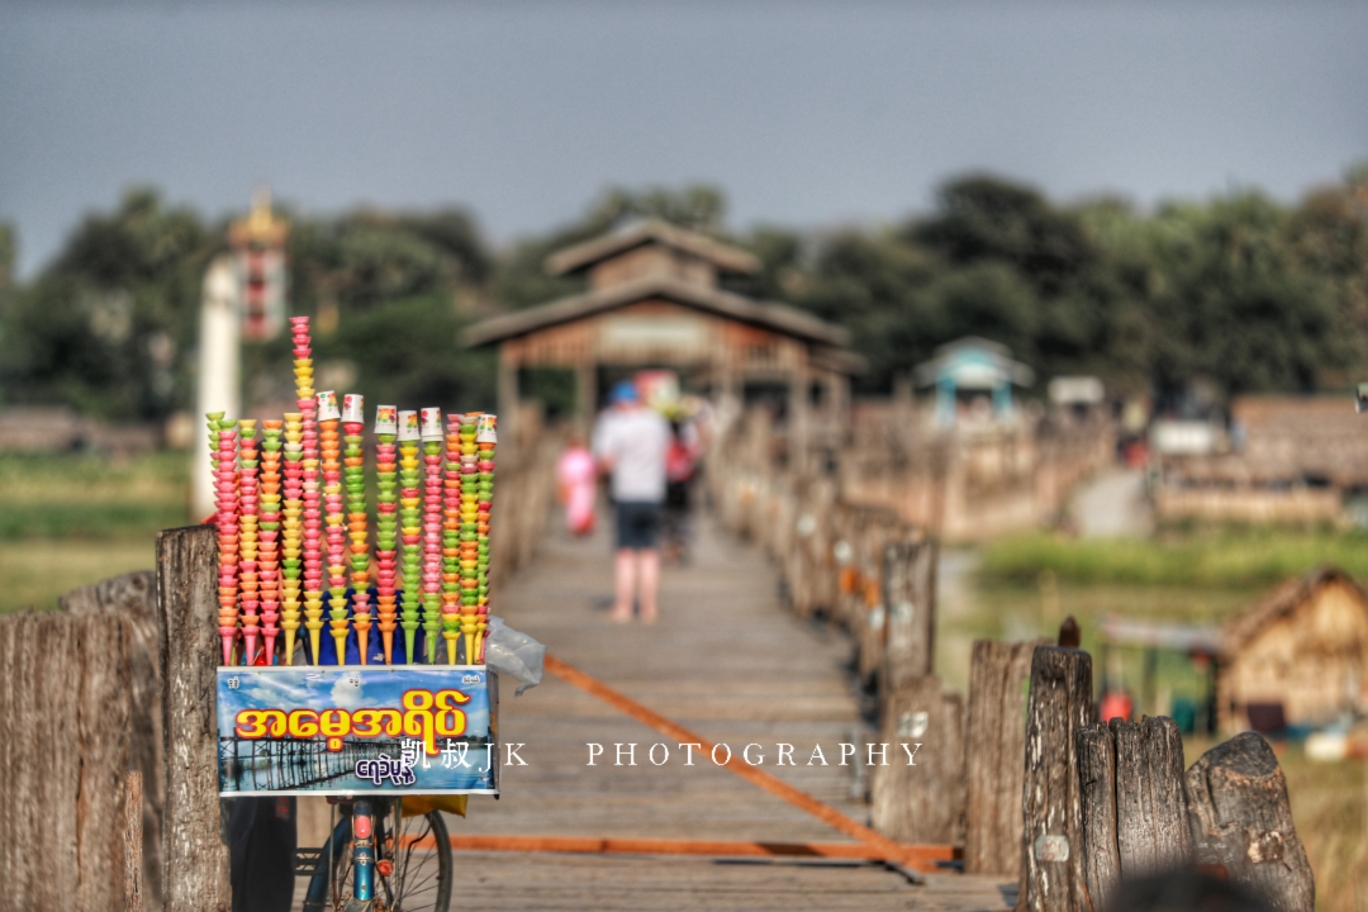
x,y
630,443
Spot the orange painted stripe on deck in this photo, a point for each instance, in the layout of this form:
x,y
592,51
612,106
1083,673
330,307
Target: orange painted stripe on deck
x,y
928,854
881,845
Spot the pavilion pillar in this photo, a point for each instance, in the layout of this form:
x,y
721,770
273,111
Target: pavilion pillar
x,y
586,394
507,390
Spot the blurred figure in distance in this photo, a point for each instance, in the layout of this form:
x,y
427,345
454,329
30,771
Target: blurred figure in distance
x,y
630,443
577,484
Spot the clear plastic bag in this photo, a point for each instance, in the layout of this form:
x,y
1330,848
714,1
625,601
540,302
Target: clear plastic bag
x,y
513,653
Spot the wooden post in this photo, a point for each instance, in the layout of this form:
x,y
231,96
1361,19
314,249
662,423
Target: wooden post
x,y
132,842
1241,820
995,745
132,597
921,803
1152,833
1097,784
64,704
195,856
909,596
1052,845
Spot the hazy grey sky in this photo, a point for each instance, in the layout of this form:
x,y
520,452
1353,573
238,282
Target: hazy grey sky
x,y
805,113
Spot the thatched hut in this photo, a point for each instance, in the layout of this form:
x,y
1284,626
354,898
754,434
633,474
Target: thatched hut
x,y
1299,653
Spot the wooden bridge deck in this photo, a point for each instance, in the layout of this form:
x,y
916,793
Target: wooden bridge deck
x,y
725,661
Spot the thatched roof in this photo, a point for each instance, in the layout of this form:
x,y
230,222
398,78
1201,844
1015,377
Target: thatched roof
x,y
780,318
1282,601
581,256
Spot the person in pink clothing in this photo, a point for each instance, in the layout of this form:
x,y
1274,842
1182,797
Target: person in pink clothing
x,y
576,485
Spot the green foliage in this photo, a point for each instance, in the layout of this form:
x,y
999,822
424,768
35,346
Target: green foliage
x,y
1235,559
105,328
1240,293
410,351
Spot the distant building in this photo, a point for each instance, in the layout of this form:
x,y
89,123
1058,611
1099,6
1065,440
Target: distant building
x,y
654,302
1297,657
972,367
1284,459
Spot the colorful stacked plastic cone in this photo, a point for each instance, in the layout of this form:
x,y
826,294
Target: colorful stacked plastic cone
x,y
486,438
269,561
451,540
430,431
247,563
223,452
410,527
386,525
334,518
292,534
469,481
354,486
312,535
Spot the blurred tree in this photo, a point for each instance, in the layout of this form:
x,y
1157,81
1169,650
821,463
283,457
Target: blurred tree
x,y
409,351
9,252
106,326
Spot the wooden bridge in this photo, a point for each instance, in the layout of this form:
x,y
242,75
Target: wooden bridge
x,y
728,662
802,622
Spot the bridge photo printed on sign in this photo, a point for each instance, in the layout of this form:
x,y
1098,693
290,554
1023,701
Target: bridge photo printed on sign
x,y
425,730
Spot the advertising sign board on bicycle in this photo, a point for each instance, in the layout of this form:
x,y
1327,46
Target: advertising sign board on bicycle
x,y
351,730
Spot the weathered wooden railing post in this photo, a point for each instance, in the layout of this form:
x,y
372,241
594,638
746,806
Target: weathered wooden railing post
x,y
1097,784
64,709
921,803
1053,876
909,597
994,748
195,856
1135,819
1241,820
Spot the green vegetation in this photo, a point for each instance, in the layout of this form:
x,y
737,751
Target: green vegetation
x,y
70,520
1241,559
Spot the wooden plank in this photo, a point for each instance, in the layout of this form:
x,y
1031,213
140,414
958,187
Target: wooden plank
x,y
1053,860
132,842
909,596
1097,784
52,747
716,848
101,672
1241,821
995,747
196,860
922,802
777,787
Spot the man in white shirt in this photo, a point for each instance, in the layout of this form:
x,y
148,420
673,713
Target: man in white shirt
x,y
630,442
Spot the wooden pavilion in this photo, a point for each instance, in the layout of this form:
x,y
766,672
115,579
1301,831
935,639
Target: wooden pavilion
x,y
1297,657
653,302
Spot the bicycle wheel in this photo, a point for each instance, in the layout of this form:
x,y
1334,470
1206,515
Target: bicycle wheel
x,y
419,848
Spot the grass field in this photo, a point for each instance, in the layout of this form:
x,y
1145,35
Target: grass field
x,y
73,519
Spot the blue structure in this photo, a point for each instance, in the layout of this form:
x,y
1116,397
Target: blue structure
x,y
972,364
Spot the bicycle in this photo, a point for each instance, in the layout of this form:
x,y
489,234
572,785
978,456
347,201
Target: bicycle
x,y
380,860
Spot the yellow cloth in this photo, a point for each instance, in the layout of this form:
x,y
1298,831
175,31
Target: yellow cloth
x,y
417,805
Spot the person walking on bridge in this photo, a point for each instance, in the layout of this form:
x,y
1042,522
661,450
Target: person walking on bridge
x,y
630,443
